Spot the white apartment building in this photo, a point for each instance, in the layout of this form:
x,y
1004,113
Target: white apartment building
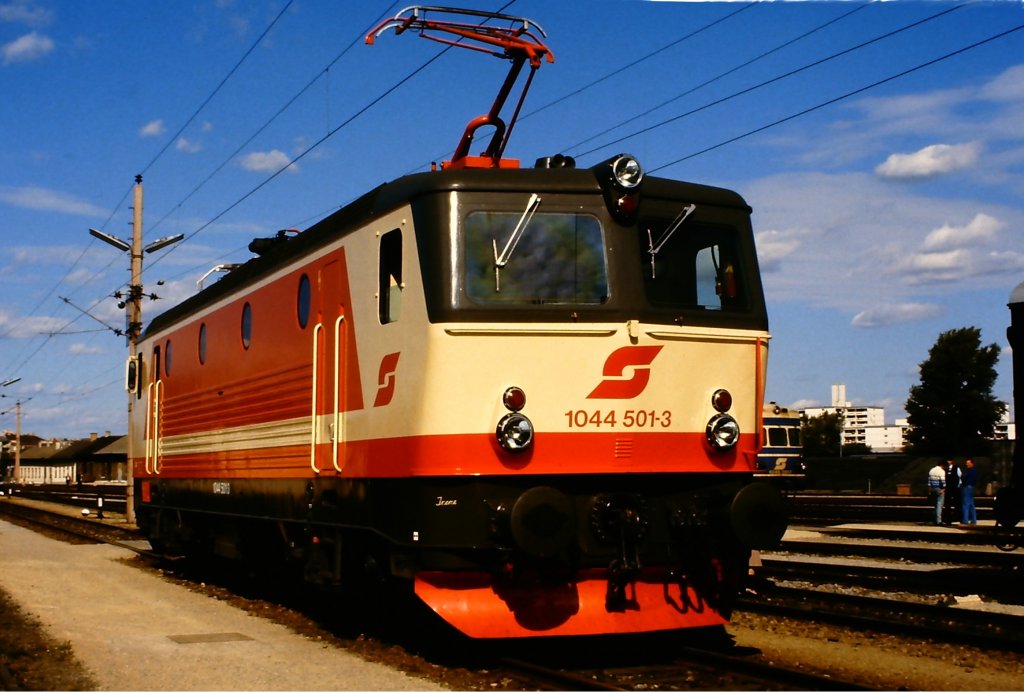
x,y
863,424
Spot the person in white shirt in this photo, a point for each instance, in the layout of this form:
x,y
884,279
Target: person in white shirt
x,y
937,490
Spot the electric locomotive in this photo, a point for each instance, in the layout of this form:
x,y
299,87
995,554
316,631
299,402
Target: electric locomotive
x,y
531,395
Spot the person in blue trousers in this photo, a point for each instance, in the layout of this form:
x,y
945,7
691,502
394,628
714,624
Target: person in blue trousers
x,y
968,482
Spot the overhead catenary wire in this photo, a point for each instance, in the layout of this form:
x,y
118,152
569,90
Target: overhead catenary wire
x,y
726,73
28,358
847,95
206,101
121,202
380,97
636,62
773,80
288,104
304,153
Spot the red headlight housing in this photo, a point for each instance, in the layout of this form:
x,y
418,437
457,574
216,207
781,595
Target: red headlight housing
x,y
514,399
721,400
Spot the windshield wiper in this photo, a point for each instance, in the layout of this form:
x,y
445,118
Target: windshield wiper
x,y
501,260
654,248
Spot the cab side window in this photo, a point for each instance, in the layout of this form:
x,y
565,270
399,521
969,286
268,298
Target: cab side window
x,y
389,288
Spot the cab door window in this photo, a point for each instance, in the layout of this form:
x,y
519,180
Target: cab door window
x,y
389,288
697,268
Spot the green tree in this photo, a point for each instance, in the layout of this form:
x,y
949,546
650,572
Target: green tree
x,y
821,434
952,412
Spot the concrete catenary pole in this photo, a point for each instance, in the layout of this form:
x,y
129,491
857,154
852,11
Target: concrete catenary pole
x,y
17,443
134,328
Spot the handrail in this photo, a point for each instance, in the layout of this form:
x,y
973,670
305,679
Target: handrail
x,y
158,389
148,431
314,435
225,267
337,392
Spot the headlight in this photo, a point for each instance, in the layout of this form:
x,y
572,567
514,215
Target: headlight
x,y
723,432
627,172
515,432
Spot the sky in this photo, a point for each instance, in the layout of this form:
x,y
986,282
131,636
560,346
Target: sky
x,y
880,146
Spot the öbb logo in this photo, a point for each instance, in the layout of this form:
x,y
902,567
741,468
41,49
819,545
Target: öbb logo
x,y
386,377
616,385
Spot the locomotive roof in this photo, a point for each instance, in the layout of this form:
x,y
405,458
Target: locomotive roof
x,y
389,196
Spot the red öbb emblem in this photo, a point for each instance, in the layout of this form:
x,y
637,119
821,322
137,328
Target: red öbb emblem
x,y
386,379
616,385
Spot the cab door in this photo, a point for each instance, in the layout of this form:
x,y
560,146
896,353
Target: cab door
x,y
154,392
330,337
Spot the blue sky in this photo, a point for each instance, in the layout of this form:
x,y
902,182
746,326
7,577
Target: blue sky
x,y
886,173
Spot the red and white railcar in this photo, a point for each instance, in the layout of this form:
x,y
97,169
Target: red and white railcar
x,y
531,394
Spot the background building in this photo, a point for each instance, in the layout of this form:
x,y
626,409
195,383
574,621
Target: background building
x,y
863,424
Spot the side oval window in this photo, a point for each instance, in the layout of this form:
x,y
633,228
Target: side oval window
x,y
246,325
304,299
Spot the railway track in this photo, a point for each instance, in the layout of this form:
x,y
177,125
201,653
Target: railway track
x,y
875,584
90,496
687,660
823,509
991,583
85,528
935,584
928,621
706,671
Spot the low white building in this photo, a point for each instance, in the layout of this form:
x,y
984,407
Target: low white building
x,y
887,438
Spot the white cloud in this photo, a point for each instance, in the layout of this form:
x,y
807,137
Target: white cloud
x,y
987,114
863,242
28,327
1009,86
932,160
801,404
29,47
885,315
187,147
774,246
1003,262
43,199
958,265
83,349
981,228
154,128
240,25
41,255
267,161
932,267
25,13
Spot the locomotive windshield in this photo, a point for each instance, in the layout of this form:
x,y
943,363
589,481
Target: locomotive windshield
x,y
525,248
535,258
